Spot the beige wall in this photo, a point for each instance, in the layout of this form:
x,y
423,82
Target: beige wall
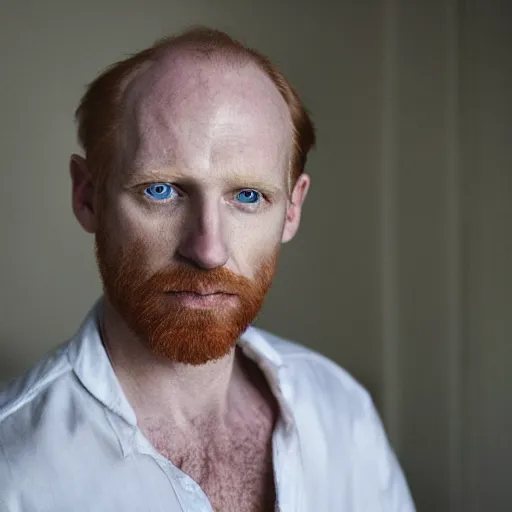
x,y
401,270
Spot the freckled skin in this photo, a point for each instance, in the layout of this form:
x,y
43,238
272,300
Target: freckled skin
x,y
208,130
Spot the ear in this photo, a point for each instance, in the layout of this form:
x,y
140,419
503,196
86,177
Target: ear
x,y
83,193
294,208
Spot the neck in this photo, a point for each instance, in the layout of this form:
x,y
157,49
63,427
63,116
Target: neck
x,y
160,389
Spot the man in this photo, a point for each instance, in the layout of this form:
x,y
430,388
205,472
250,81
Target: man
x,y
166,398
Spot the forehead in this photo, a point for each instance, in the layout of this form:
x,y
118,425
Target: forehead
x,y
207,119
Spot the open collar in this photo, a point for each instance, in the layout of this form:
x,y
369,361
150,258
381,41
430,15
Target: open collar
x,y
92,366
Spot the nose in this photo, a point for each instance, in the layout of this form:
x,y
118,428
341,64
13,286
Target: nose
x,y
204,241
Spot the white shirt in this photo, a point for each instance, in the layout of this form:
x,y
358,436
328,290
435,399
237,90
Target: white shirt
x,y
69,440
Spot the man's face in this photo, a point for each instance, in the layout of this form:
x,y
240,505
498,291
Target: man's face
x,y
192,223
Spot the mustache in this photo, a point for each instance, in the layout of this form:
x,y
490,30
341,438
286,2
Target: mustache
x,y
128,273
189,279
184,279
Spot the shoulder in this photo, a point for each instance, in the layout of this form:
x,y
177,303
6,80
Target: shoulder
x,y
299,357
314,375
337,417
24,415
22,390
23,401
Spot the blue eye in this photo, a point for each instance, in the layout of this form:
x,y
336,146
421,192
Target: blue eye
x,y
159,191
248,196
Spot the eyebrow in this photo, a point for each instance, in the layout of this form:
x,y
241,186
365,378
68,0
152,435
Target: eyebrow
x,y
174,175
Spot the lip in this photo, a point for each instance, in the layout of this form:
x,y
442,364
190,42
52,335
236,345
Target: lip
x,y
201,293
203,300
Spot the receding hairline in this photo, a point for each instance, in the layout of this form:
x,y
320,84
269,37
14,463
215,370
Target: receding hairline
x,y
103,104
193,45
168,62
140,88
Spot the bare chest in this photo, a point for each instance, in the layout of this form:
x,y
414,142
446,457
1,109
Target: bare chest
x,y
234,469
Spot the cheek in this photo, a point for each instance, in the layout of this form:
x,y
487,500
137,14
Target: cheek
x,y
127,223
256,241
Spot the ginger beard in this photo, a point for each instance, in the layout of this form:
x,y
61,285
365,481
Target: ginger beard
x,y
179,333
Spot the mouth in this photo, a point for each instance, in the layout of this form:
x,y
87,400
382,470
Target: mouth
x,y
211,299
197,293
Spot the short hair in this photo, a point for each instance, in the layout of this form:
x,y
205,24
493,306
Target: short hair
x,y
99,114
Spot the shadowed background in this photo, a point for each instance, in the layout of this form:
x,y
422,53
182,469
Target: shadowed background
x,y
401,270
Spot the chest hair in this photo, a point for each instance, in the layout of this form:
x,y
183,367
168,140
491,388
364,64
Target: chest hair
x,y
233,467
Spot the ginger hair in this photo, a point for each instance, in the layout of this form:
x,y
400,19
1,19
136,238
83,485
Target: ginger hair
x,y
100,113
